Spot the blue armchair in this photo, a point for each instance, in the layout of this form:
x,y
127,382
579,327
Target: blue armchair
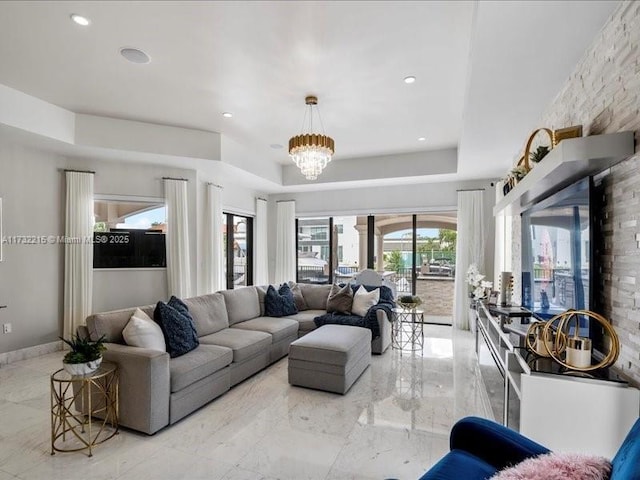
x,y
480,448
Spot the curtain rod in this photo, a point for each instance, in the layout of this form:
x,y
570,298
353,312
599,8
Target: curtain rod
x,y
79,171
279,201
215,185
471,190
260,198
174,178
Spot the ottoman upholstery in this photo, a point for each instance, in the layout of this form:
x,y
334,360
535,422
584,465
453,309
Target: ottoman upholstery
x,y
330,358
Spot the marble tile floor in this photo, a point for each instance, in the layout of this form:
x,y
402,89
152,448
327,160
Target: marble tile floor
x,y
393,423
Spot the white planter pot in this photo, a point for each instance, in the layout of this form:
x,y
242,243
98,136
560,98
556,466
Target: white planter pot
x,y
82,368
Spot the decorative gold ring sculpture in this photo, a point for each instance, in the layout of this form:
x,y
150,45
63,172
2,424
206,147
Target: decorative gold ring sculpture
x,y
562,330
537,332
527,149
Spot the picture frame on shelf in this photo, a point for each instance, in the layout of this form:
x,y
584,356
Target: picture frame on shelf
x,y
493,297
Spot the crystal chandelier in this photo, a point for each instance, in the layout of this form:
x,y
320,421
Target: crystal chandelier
x,y
311,152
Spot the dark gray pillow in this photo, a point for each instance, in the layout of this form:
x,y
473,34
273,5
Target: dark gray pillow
x,y
301,303
278,303
178,329
340,299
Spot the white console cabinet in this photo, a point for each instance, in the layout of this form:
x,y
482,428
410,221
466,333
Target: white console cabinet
x,y
564,411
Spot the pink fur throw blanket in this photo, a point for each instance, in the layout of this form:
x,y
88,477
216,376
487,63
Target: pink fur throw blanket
x,y
558,466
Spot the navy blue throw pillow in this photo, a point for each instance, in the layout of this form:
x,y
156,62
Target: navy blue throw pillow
x,y
178,329
279,303
180,306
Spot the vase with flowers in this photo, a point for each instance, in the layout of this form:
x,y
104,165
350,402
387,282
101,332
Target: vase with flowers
x,y
480,289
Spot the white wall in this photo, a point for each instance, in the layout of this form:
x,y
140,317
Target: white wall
x,y
418,198
31,276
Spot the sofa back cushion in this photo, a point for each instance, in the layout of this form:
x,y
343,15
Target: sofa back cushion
x,y
209,313
242,304
262,293
315,295
111,324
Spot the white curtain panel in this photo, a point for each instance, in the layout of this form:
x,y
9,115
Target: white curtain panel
x,y
178,266
213,253
469,249
260,244
78,253
286,242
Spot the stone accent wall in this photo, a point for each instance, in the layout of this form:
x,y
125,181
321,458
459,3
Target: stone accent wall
x,y
436,295
603,95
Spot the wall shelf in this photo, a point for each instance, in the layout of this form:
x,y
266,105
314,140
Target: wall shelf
x,y
569,161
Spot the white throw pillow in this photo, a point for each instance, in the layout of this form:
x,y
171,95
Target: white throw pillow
x,y
143,332
363,300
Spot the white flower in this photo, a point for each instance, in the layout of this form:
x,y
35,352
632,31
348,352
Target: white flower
x,y
477,282
478,293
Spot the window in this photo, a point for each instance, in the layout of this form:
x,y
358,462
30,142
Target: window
x,y
129,234
313,250
340,228
238,250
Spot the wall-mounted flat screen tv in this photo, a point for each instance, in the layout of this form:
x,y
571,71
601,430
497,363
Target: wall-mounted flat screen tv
x,y
558,253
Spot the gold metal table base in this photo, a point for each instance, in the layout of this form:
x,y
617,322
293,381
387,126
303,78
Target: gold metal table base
x,y
84,409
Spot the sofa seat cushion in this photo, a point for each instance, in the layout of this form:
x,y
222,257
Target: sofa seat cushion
x,y
278,328
305,319
244,343
197,364
459,464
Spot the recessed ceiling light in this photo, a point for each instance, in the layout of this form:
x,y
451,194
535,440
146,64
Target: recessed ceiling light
x,y
135,55
275,146
409,79
227,114
422,139
80,20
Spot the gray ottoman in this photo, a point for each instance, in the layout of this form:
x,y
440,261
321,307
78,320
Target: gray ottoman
x,y
330,358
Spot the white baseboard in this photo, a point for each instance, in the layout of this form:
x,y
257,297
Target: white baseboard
x,y
30,352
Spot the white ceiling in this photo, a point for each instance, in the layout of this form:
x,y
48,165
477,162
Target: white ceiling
x,y
484,70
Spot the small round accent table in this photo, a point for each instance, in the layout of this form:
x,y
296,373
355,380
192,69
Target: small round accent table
x,y
84,409
407,330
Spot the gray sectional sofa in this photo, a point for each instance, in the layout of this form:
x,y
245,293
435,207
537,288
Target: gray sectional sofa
x,y
236,341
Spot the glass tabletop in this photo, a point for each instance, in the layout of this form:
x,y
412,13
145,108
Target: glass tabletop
x,y
103,370
407,310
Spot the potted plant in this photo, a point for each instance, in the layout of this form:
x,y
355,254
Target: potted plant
x,y
539,154
519,173
409,301
85,355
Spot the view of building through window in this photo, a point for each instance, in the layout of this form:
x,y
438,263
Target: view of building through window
x,y
393,248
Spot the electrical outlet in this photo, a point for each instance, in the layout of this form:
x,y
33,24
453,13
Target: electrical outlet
x,y
6,328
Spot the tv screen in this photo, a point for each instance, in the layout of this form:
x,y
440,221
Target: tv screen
x,y
557,253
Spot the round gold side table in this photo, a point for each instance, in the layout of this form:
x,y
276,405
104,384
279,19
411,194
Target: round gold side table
x,y
84,409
